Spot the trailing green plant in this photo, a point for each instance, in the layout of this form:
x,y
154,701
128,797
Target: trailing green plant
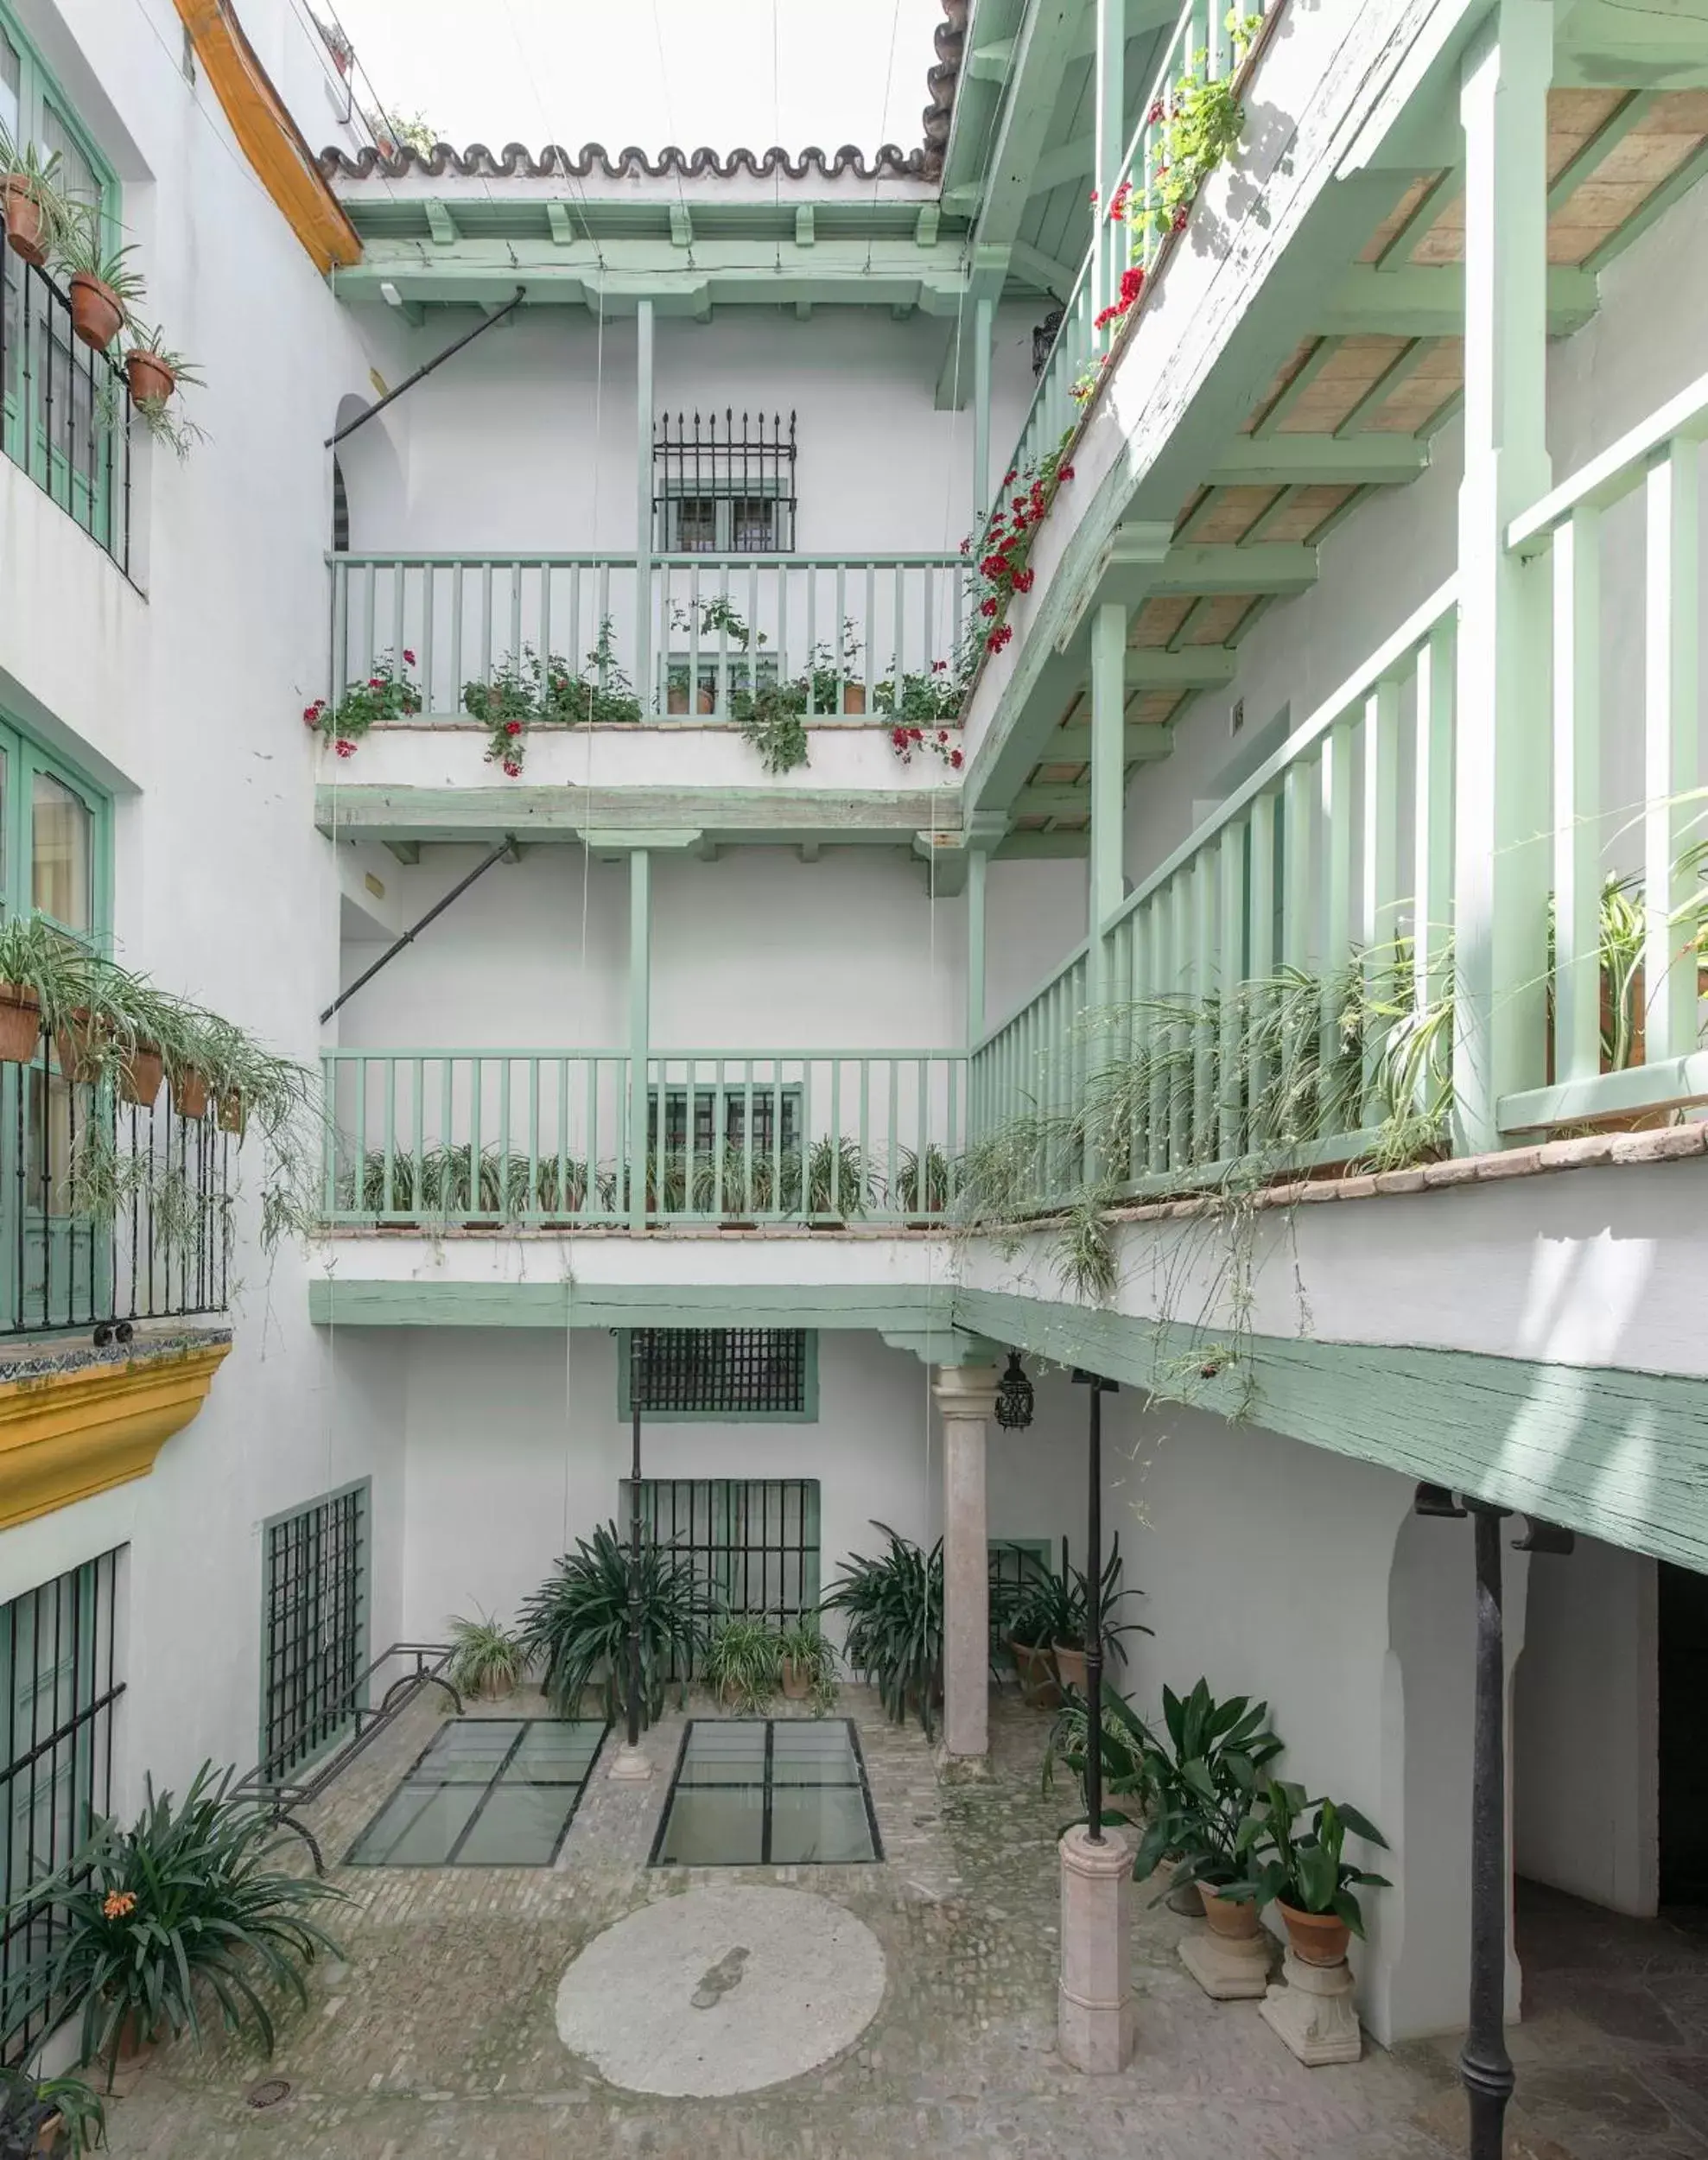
x,y
840,1181
161,414
387,696
179,1902
924,1181
48,2115
37,954
24,170
576,1626
804,1645
743,1661
931,701
895,1610
487,1658
829,667
1304,1864
770,718
604,696
81,249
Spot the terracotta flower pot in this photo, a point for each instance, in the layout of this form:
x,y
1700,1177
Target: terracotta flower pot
x,y
140,1075
853,697
1316,1938
97,311
1070,1665
80,1046
796,1679
151,380
189,1094
1236,1919
676,700
20,1023
1037,1669
706,701
25,226
232,1115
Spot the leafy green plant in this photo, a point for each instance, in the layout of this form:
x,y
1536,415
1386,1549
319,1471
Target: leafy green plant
x,y
37,954
829,667
770,718
33,2110
1306,1866
894,1605
806,1656
162,417
80,249
179,1902
838,1181
1041,1609
924,1181
1074,1616
576,1626
743,1661
1126,1751
1202,1776
25,172
604,695
487,1657
928,701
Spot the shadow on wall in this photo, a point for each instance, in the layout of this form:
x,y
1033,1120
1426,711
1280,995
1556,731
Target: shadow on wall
x,y
367,481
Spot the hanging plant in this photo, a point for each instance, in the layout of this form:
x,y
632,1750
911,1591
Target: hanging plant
x,y
30,201
941,742
154,374
388,695
770,719
105,292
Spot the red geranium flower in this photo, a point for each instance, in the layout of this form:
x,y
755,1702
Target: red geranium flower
x,y
1024,579
408,658
916,735
511,768
513,726
956,760
986,606
1009,477
345,747
1180,219
1155,113
1066,473
942,734
999,637
939,667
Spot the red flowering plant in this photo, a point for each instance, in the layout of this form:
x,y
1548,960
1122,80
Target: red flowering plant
x,y
923,709
1004,565
386,694
532,687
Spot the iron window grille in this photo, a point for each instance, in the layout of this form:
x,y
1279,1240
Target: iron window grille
x,y
745,1375
64,409
58,1653
721,1119
723,486
751,1542
315,1623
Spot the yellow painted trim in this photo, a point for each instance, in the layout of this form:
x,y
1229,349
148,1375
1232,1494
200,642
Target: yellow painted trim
x,y
66,1435
270,138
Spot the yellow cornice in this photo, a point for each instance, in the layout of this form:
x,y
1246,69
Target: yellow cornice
x,y
65,1435
270,138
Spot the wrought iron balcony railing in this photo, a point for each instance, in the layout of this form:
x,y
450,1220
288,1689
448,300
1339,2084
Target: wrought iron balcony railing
x,y
64,409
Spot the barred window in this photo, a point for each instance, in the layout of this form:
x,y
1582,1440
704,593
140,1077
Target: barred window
x,y
745,1373
751,1542
59,1669
723,483
315,1617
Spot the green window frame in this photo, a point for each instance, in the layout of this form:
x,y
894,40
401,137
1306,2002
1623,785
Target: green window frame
x,y
46,117
753,1543
316,1593
720,1379
30,774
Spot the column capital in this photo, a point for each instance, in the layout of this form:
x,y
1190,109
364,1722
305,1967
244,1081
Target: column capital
x,y
966,1391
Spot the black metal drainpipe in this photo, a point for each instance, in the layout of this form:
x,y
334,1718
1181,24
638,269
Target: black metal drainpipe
x,y
633,1689
438,360
506,846
1093,1616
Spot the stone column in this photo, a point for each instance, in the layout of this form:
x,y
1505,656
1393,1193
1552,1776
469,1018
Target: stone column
x,y
966,1398
1094,2017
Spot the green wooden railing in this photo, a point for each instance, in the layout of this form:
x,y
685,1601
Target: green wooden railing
x,y
1202,47
548,1138
684,634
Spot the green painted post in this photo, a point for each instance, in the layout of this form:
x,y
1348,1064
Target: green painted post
x,y
1109,782
1672,684
1577,750
981,333
1502,808
977,864
640,943
643,682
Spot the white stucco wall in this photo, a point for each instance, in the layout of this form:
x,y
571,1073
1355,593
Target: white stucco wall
x,y
1586,1728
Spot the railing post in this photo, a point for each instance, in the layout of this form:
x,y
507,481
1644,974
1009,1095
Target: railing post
x,y
1108,143
1501,790
1105,881
644,683
640,944
981,333
975,945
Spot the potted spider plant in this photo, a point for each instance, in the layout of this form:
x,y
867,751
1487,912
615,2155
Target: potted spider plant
x,y
45,976
809,1662
894,1605
1035,1613
30,200
104,290
1069,1644
742,1662
487,1659
576,1624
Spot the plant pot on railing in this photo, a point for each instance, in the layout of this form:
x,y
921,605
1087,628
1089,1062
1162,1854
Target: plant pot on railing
x,y
82,1043
26,221
151,381
189,1093
853,697
232,1114
97,311
20,1023
140,1074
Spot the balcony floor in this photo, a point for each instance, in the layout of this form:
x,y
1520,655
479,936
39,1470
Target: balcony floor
x,y
438,2039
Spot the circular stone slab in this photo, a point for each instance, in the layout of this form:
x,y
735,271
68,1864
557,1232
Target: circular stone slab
x,y
722,1991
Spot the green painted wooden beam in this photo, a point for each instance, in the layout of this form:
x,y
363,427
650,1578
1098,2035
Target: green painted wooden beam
x,y
1301,379
1271,566
1404,364
1203,668
1428,300
833,269
1694,169
1441,192
567,813
877,1307
1046,42
440,224
1046,847
1325,461
1145,740
1055,278
1618,1455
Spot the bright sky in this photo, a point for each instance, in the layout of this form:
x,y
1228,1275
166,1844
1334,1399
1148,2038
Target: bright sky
x,y
652,71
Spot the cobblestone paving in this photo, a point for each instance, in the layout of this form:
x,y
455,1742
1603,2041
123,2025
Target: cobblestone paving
x,y
436,2038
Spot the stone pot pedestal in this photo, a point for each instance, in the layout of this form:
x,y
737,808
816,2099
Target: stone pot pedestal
x,y
629,1766
1094,1994
1229,1968
1312,2010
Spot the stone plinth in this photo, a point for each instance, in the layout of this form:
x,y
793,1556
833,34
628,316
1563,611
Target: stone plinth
x,y
1312,2010
629,1766
1094,1995
1230,1968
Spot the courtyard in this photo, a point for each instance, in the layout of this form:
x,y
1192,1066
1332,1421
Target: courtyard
x,y
437,2036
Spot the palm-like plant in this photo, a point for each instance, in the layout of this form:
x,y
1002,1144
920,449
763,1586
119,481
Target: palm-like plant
x,y
576,1624
48,2115
894,1605
181,1900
